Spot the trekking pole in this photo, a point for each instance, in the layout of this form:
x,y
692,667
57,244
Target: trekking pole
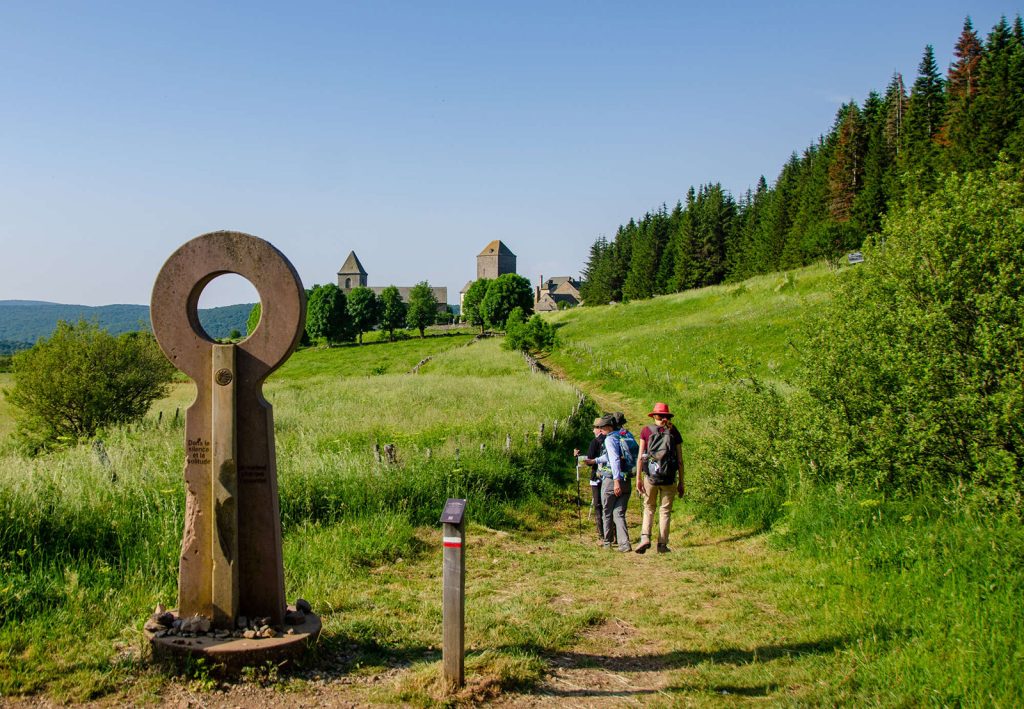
x,y
579,500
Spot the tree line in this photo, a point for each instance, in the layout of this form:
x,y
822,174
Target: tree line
x,y
891,149
334,317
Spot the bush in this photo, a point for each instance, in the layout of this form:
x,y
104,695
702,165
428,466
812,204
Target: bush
x,y
83,379
911,378
532,335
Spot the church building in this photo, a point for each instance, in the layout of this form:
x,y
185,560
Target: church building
x,y
353,275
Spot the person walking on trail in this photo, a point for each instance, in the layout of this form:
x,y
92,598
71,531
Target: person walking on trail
x,y
594,451
659,475
615,490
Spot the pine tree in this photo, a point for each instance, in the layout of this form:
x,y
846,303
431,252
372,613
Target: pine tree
x,y
750,257
999,106
896,105
667,265
871,202
650,240
959,133
685,274
920,155
846,168
622,254
714,211
808,238
596,288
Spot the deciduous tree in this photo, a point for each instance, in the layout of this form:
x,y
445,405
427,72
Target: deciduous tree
x,y
422,310
471,302
503,294
83,379
363,310
392,311
326,314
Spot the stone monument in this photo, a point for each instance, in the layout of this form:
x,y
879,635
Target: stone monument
x,y
231,570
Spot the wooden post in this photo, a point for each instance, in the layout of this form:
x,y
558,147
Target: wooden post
x,y
454,595
508,442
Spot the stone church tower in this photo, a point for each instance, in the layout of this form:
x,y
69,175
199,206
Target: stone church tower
x,y
351,274
495,260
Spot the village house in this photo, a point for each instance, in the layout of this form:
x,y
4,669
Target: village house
x,y
556,293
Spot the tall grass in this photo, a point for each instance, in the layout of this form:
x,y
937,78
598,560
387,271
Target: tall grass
x,y
87,546
929,587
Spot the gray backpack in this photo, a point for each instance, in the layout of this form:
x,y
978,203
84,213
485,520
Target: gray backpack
x,y
661,457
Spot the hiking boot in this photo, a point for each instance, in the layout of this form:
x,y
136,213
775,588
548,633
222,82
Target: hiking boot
x,y
643,547
663,549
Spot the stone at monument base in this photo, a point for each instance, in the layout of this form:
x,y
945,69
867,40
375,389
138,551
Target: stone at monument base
x,y
231,654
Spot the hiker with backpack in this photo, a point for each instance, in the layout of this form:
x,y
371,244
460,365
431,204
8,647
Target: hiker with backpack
x,y
615,464
593,451
659,474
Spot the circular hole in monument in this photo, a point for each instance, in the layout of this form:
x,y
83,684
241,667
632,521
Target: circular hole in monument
x,y
226,308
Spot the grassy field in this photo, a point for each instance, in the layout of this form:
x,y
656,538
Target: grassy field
x,y
676,348
88,548
924,590
848,600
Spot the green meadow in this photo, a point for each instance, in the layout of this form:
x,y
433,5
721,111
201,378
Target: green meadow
x,y
88,547
846,599
924,590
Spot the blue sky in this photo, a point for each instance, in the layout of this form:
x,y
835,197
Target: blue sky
x,y
412,132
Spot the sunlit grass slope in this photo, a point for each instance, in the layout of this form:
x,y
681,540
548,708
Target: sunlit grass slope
x,y
922,591
676,348
88,548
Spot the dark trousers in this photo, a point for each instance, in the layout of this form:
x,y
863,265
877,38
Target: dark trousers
x,y
595,491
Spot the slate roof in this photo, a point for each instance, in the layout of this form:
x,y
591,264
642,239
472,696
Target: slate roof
x,y
352,265
496,247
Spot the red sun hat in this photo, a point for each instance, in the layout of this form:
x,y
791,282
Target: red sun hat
x,y
661,409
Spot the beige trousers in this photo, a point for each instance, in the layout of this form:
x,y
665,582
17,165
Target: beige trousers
x,y
666,493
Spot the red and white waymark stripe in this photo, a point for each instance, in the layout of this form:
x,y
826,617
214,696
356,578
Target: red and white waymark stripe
x,y
452,542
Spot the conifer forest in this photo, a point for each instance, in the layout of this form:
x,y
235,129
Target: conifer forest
x,y
892,148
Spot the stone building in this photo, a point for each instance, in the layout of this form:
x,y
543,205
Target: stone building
x,y
352,275
495,260
554,293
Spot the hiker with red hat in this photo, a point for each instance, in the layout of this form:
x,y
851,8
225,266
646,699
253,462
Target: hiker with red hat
x,y
659,475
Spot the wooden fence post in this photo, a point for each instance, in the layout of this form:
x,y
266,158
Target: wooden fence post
x,y
453,601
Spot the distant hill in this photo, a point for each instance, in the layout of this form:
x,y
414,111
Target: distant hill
x,y
22,322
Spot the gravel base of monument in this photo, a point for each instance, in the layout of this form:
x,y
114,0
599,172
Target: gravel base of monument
x,y
231,654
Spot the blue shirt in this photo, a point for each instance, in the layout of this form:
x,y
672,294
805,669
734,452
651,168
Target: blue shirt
x,y
611,457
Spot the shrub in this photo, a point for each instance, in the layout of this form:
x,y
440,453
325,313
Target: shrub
x,y
534,334
83,379
911,377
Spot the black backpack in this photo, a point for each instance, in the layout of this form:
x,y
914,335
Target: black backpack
x,y
661,457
